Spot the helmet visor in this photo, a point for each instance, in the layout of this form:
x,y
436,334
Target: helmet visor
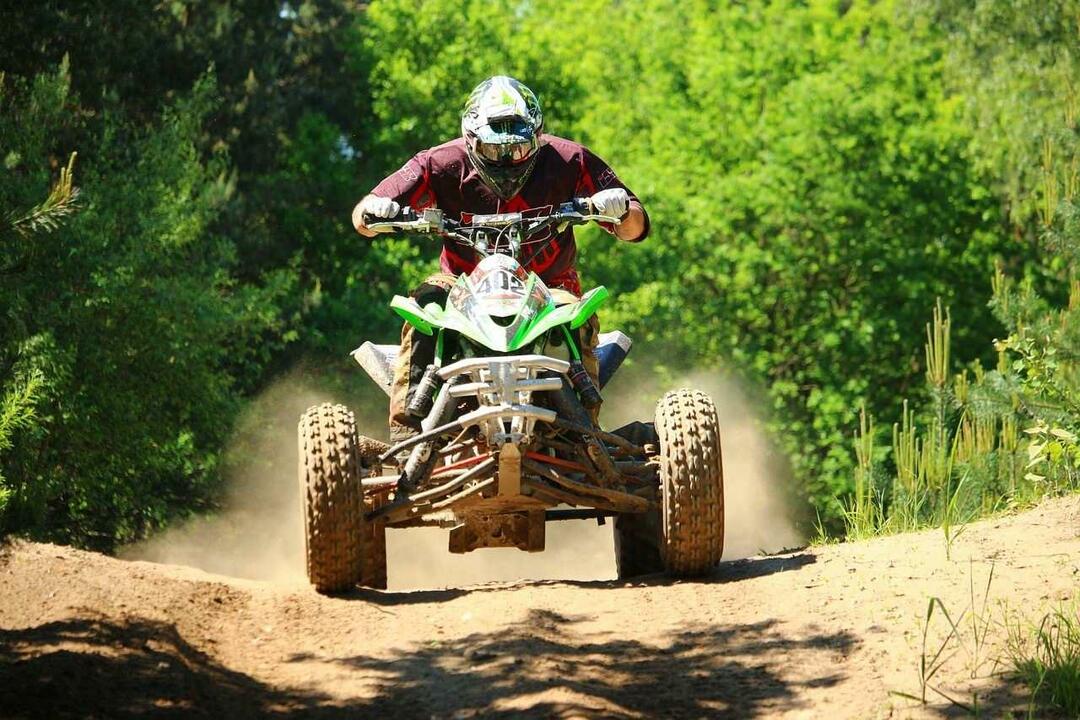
x,y
510,153
505,143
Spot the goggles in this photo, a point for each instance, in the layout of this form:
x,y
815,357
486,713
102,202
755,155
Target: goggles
x,y
506,144
506,153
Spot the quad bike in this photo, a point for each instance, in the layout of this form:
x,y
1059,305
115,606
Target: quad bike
x,y
507,441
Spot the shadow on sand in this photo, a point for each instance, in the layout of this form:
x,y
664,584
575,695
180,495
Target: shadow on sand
x,y
98,668
545,666
549,664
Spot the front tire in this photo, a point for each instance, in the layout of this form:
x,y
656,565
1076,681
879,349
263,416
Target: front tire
x,y
692,483
332,497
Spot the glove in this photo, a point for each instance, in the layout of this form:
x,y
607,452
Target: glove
x,y
613,202
374,206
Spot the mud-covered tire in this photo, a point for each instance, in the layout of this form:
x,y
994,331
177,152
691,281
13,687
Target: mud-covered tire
x,y
370,449
373,565
332,498
637,544
692,483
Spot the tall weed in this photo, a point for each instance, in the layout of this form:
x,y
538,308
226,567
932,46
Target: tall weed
x,y
1047,658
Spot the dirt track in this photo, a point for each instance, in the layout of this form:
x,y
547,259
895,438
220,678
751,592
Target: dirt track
x,y
824,632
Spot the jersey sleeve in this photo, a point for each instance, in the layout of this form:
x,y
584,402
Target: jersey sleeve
x,y
411,185
597,175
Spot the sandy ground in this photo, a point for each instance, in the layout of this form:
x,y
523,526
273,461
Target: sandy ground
x,y
825,632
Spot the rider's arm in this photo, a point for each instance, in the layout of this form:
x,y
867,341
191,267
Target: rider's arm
x,y
408,186
598,176
632,228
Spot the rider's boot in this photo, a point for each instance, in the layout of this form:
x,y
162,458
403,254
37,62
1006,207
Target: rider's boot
x,y
589,336
403,424
415,356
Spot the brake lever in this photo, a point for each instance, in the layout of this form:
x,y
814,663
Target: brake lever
x,y
576,218
581,209
430,220
602,219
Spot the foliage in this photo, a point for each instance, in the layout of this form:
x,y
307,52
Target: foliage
x,y
17,400
213,251
126,327
1009,435
16,413
47,216
818,175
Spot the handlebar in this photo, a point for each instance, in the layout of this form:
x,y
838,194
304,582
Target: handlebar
x,y
483,230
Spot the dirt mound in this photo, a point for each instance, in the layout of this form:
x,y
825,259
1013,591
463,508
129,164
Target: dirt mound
x,y
823,632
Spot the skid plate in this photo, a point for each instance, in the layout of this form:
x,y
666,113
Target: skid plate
x,y
521,530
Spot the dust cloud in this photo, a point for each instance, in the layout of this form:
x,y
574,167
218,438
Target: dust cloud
x,y
759,513
258,534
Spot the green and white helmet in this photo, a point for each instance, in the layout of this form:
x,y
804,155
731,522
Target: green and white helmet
x,y
501,124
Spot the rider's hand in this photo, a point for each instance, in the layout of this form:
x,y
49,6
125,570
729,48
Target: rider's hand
x,y
613,202
374,206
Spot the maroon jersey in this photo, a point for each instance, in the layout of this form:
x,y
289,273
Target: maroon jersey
x,y
443,177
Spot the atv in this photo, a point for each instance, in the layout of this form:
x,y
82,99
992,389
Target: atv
x,y
507,441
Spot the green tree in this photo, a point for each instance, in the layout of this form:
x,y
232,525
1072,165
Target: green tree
x,y
808,178
129,322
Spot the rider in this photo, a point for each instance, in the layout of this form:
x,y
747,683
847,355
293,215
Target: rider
x,y
503,162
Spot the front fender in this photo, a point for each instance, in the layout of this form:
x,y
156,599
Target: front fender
x,y
413,314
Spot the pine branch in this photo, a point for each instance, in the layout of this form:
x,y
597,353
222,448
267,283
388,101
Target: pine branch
x,y
17,408
47,217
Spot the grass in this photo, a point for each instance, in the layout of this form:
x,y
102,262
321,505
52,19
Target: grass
x,y
963,456
969,638
863,515
1046,657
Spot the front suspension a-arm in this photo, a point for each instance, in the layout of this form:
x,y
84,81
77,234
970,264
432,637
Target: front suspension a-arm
x,y
570,410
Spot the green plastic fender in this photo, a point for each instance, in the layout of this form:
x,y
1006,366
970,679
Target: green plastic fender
x,y
427,319
576,315
413,314
587,306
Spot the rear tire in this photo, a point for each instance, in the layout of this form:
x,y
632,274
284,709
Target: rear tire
x,y
373,568
692,483
637,544
332,496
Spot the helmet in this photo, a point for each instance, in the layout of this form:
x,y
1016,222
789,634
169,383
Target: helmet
x,y
501,125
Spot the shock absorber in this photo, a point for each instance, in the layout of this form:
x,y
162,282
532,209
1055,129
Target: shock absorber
x,y
424,394
579,377
586,389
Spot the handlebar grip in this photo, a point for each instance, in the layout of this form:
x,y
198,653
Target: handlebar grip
x,y
582,205
406,215
389,225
